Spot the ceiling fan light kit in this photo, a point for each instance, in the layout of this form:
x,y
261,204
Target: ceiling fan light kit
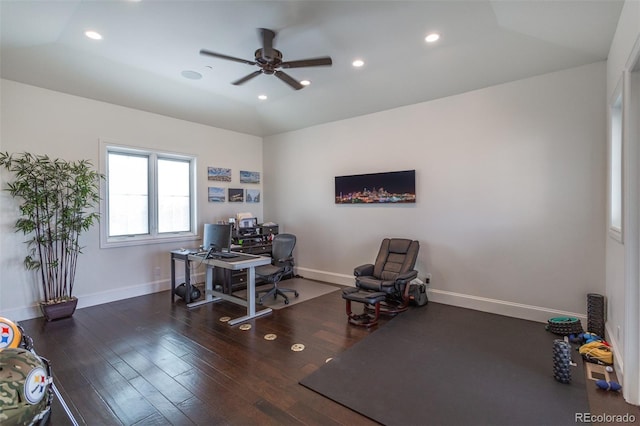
x,y
269,61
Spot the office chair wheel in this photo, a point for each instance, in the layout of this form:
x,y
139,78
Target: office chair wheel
x,y
296,294
286,301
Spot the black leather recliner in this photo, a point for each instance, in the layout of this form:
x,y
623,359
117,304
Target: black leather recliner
x,y
384,285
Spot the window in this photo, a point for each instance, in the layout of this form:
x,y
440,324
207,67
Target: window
x,y
149,196
615,167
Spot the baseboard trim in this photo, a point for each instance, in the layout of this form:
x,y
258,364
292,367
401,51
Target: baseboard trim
x,y
501,307
495,306
484,304
123,293
618,362
85,301
328,277
23,313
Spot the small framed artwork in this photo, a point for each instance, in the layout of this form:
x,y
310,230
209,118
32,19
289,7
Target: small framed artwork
x,y
216,194
236,195
249,177
218,173
253,195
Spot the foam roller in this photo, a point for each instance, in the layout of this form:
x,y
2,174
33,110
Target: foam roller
x,y
595,313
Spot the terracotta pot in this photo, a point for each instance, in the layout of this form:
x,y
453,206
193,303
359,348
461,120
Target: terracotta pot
x,y
60,310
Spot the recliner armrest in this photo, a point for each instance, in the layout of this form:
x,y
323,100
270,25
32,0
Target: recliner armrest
x,y
363,270
404,278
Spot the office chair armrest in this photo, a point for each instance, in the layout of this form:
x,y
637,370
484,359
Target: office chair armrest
x,y
363,270
284,261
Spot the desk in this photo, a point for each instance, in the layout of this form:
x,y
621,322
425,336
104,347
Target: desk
x,y
182,255
243,261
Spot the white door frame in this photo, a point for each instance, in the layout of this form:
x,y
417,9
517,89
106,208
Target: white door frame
x,y
631,141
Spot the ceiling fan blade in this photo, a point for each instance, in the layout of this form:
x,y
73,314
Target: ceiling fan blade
x,y
267,43
288,79
315,62
229,58
247,78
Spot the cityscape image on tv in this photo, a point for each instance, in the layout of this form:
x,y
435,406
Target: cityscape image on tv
x,y
374,188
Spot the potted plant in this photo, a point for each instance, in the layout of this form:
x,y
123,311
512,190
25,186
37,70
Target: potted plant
x,y
56,203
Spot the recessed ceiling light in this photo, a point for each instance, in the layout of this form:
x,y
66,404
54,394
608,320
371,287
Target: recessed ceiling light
x,y
93,35
357,63
191,75
262,97
430,38
305,82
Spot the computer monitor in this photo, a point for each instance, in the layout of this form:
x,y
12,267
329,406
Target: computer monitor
x,y
216,236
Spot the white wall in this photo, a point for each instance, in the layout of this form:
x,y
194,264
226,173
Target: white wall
x,y
626,34
510,193
46,122
623,325
510,186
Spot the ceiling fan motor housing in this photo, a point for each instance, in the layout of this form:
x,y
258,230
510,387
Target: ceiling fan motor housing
x,y
268,64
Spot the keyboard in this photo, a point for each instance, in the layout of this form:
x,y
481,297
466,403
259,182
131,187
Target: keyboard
x,y
224,254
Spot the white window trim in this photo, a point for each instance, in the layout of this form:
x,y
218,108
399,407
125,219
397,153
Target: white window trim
x,y
616,108
153,237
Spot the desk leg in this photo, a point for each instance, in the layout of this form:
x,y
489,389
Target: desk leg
x,y
208,292
251,292
187,280
173,278
251,301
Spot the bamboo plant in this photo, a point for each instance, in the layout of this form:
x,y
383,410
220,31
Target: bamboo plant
x,y
56,204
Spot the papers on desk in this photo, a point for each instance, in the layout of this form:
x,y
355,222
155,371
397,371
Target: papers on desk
x,y
189,251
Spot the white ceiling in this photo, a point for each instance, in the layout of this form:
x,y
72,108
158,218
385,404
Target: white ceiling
x,y
148,43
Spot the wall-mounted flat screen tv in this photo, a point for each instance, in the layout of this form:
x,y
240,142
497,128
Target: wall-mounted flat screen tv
x,y
376,188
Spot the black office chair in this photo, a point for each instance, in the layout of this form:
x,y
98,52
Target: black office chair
x,y
383,287
281,266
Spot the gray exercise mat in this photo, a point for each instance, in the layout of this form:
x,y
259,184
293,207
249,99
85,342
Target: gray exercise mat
x,y
443,365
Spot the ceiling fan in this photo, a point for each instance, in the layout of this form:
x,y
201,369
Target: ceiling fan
x,y
269,60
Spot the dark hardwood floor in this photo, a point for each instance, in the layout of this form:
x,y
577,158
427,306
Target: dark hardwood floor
x,y
145,361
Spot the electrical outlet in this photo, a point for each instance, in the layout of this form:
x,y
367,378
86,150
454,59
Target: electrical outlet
x,y
427,278
156,273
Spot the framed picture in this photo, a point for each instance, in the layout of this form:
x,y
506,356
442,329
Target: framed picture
x,y
249,177
216,194
236,195
253,195
218,173
376,188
